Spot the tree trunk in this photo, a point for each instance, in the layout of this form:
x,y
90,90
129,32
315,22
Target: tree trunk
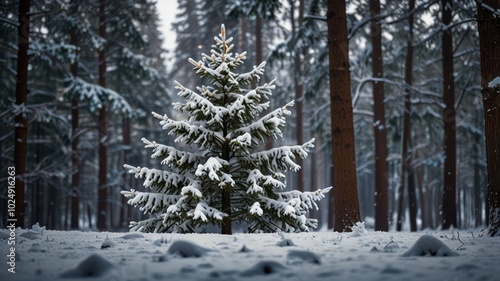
x,y
478,210
380,133
489,43
345,190
21,127
449,205
126,176
298,94
407,176
75,158
226,224
103,129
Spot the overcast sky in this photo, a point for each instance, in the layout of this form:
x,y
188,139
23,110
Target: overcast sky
x,y
167,10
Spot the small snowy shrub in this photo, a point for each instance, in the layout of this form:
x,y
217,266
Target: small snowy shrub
x,y
358,230
225,178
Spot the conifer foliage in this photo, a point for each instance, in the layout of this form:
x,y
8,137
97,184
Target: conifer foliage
x,y
226,177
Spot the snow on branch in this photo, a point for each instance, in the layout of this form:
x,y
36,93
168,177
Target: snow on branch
x,y
190,133
281,158
211,167
255,73
304,201
257,181
50,52
173,156
139,61
160,178
196,103
154,225
99,96
495,83
202,210
149,202
268,125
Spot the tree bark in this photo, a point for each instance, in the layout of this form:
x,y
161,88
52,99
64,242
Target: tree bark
x,y
299,89
449,205
489,43
380,133
102,206
345,190
126,142
406,159
21,123
75,158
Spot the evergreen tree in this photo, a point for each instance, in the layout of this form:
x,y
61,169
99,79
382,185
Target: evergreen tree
x,y
227,178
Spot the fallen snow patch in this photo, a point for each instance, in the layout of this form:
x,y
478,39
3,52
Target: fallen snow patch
x,y
187,249
297,256
428,245
264,268
93,266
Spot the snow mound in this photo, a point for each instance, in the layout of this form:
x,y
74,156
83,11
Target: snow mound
x,y
245,249
297,256
4,235
391,247
265,267
107,243
187,249
358,230
428,245
35,248
93,266
32,235
132,236
285,242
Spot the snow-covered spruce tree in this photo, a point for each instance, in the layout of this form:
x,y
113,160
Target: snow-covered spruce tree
x,y
227,179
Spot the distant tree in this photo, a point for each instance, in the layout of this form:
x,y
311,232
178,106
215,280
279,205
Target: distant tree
x,y
379,124
407,176
226,179
449,204
75,157
21,127
102,206
298,85
345,193
489,40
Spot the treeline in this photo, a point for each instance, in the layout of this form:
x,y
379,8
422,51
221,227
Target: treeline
x,y
94,70
417,82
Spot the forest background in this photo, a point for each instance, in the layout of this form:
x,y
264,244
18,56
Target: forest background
x,y
96,69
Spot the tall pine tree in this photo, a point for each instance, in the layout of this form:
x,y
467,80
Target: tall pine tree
x,y
226,179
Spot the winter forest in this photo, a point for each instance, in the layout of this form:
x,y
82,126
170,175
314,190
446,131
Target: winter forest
x,y
393,104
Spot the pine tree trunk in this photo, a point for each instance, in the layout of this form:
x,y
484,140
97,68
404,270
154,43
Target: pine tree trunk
x,y
102,206
125,159
478,210
380,133
407,176
412,201
75,158
489,43
226,224
449,208
345,190
298,95
21,127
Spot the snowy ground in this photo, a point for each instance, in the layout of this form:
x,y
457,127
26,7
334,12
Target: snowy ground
x,y
59,255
